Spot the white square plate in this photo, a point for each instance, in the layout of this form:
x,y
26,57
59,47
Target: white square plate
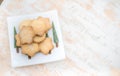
x,y
19,59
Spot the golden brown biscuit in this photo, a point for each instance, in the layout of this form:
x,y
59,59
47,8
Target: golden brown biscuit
x,y
26,35
25,23
46,46
17,40
30,49
39,39
46,21
39,27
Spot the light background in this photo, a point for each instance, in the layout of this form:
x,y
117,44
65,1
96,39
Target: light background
x,y
91,34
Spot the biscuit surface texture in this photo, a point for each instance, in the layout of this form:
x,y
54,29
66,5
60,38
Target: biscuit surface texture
x,y
46,21
25,23
26,35
46,46
30,49
39,27
39,39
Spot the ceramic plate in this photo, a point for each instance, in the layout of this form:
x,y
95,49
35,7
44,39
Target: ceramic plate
x,y
19,59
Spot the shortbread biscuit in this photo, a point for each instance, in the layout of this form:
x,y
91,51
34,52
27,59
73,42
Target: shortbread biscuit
x,y
39,39
30,49
39,27
46,46
26,35
25,23
46,21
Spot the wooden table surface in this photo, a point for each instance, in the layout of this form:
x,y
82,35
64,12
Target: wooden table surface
x,y
91,34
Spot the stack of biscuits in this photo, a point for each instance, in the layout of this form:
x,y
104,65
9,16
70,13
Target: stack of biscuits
x,y
32,36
